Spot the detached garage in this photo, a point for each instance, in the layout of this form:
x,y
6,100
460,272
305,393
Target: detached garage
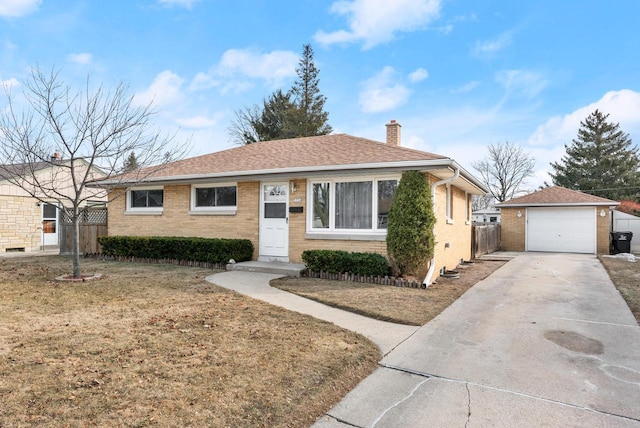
x,y
556,219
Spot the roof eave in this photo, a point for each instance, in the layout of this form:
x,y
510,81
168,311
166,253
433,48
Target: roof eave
x,y
560,204
422,165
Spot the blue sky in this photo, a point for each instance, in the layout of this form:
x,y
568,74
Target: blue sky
x,y
456,74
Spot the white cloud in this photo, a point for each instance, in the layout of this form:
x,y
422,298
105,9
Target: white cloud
x,y
17,8
374,22
488,48
623,106
80,58
238,68
521,82
467,87
383,92
182,3
165,90
10,83
198,122
418,75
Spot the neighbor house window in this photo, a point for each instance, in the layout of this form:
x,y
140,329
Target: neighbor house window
x,y
145,200
218,198
350,206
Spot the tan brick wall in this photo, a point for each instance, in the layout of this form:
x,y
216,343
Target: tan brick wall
x,y
176,220
20,219
458,234
512,229
603,227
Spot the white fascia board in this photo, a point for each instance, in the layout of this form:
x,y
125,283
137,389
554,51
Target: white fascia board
x,y
559,204
423,165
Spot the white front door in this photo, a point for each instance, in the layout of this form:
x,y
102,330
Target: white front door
x,y
274,222
49,225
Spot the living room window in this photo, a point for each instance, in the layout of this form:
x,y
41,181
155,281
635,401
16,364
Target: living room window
x,y
214,199
350,205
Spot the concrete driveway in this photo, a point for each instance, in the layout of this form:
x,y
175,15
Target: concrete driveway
x,y
545,341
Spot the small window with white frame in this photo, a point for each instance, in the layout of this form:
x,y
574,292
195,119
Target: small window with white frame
x,y
148,200
449,204
219,198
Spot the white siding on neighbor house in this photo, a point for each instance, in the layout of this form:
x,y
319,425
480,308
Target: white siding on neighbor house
x,y
623,222
561,229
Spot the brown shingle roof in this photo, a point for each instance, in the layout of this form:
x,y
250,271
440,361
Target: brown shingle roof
x,y
325,150
557,196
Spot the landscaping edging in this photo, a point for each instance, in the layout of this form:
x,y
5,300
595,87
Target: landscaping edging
x,y
379,280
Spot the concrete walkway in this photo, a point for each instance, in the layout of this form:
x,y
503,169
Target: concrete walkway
x,y
544,341
385,335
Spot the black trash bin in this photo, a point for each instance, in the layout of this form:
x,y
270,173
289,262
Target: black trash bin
x,y
621,242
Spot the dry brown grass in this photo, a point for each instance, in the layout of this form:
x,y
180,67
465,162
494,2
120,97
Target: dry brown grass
x,y
401,305
626,277
155,345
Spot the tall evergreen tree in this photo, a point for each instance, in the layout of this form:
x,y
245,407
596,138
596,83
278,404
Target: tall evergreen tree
x,y
298,112
308,99
600,161
130,163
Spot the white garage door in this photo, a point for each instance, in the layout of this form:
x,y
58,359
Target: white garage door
x,y
562,229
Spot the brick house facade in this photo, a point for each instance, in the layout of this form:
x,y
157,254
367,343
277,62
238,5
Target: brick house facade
x,y
287,196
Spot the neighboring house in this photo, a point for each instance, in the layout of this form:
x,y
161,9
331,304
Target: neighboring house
x,y
488,215
623,222
287,196
556,219
28,223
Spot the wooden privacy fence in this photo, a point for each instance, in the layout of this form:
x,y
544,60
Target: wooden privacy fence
x,y
485,239
93,223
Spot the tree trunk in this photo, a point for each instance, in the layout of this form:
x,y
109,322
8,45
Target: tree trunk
x,y
75,246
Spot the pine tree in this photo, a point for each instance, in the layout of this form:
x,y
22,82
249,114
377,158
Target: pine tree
x,y
410,238
600,161
298,112
131,163
308,99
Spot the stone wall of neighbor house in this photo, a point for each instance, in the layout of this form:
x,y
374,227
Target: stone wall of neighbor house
x,y
453,238
175,219
20,222
512,229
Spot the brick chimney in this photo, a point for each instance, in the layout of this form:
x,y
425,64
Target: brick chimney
x,y
55,157
393,133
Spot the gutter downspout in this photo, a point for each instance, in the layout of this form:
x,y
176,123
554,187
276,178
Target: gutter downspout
x,y
432,263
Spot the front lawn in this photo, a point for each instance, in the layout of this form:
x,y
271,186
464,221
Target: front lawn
x,y
157,345
387,303
626,277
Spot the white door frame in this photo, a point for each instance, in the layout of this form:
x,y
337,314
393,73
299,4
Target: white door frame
x,y
50,239
274,231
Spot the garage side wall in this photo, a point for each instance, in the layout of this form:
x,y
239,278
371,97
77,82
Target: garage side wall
x,y
513,232
603,226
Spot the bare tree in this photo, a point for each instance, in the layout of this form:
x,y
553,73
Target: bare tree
x,y
91,132
505,170
482,202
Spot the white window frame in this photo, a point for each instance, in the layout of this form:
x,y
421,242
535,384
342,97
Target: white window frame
x,y
449,203
343,233
226,210
144,210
